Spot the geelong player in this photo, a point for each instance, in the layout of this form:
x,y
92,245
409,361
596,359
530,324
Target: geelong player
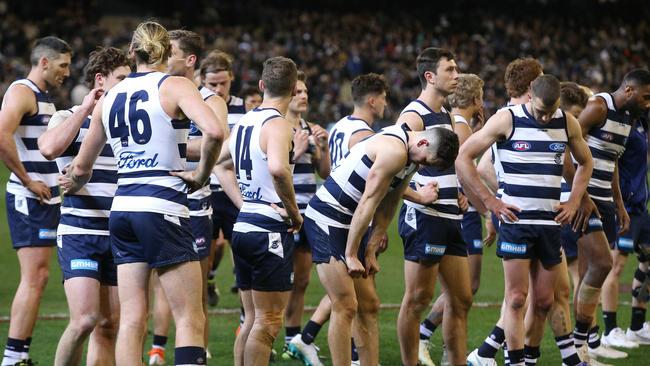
x,y
216,75
187,46
261,149
432,233
366,187
85,257
146,119
467,110
533,133
32,192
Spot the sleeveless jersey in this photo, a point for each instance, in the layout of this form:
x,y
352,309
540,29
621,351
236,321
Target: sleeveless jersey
x,y
304,178
335,202
461,120
607,144
339,137
26,139
532,159
446,206
86,212
148,144
252,172
236,110
199,201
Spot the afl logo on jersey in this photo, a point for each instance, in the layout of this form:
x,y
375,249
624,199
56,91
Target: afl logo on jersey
x,y
194,129
557,146
521,145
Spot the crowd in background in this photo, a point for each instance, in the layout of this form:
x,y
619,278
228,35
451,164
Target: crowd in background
x,y
332,48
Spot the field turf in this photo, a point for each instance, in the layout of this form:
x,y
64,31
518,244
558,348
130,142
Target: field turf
x,y
224,321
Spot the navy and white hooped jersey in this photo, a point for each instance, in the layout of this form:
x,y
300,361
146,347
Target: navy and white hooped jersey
x,y
86,212
26,139
339,137
199,201
252,172
532,159
148,144
236,110
446,206
607,144
304,177
335,202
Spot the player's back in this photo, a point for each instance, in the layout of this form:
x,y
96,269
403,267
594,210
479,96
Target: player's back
x,y
253,175
148,144
339,137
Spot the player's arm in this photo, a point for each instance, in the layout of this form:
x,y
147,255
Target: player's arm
x,y
497,127
81,168
390,158
278,135
621,213
411,119
18,102
224,169
594,114
183,93
64,127
487,172
579,181
219,107
321,157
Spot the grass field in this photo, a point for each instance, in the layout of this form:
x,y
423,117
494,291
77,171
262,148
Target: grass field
x,y
389,283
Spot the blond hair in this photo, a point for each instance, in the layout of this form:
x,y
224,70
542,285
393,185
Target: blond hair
x,y
469,87
150,44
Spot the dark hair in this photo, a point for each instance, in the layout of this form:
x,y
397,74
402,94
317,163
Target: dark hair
x,y
104,60
249,92
447,147
216,61
279,76
547,88
189,42
572,94
429,59
301,76
637,77
49,47
519,74
366,84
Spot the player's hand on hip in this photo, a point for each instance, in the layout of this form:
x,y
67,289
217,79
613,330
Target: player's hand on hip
x,y
190,180
490,230
586,209
505,212
463,203
566,212
355,268
428,192
40,189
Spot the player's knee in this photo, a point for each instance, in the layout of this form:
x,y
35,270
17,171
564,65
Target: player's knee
x,y
516,300
301,282
38,279
84,323
268,325
345,307
617,268
476,283
461,302
419,300
369,306
542,305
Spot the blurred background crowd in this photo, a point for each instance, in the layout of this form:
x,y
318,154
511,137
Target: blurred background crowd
x,y
591,42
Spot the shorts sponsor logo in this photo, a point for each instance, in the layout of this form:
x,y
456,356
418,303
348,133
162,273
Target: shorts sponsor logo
x,y
434,249
200,241
557,146
626,243
595,222
84,264
47,234
477,243
512,248
521,145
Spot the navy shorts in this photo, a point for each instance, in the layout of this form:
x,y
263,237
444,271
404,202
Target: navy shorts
x,y
263,261
427,238
30,223
638,234
473,232
329,241
606,224
224,215
201,227
300,238
82,255
156,239
569,242
522,241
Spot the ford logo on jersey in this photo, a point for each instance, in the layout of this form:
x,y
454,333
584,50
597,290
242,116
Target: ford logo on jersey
x,y
521,145
557,146
130,160
248,194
